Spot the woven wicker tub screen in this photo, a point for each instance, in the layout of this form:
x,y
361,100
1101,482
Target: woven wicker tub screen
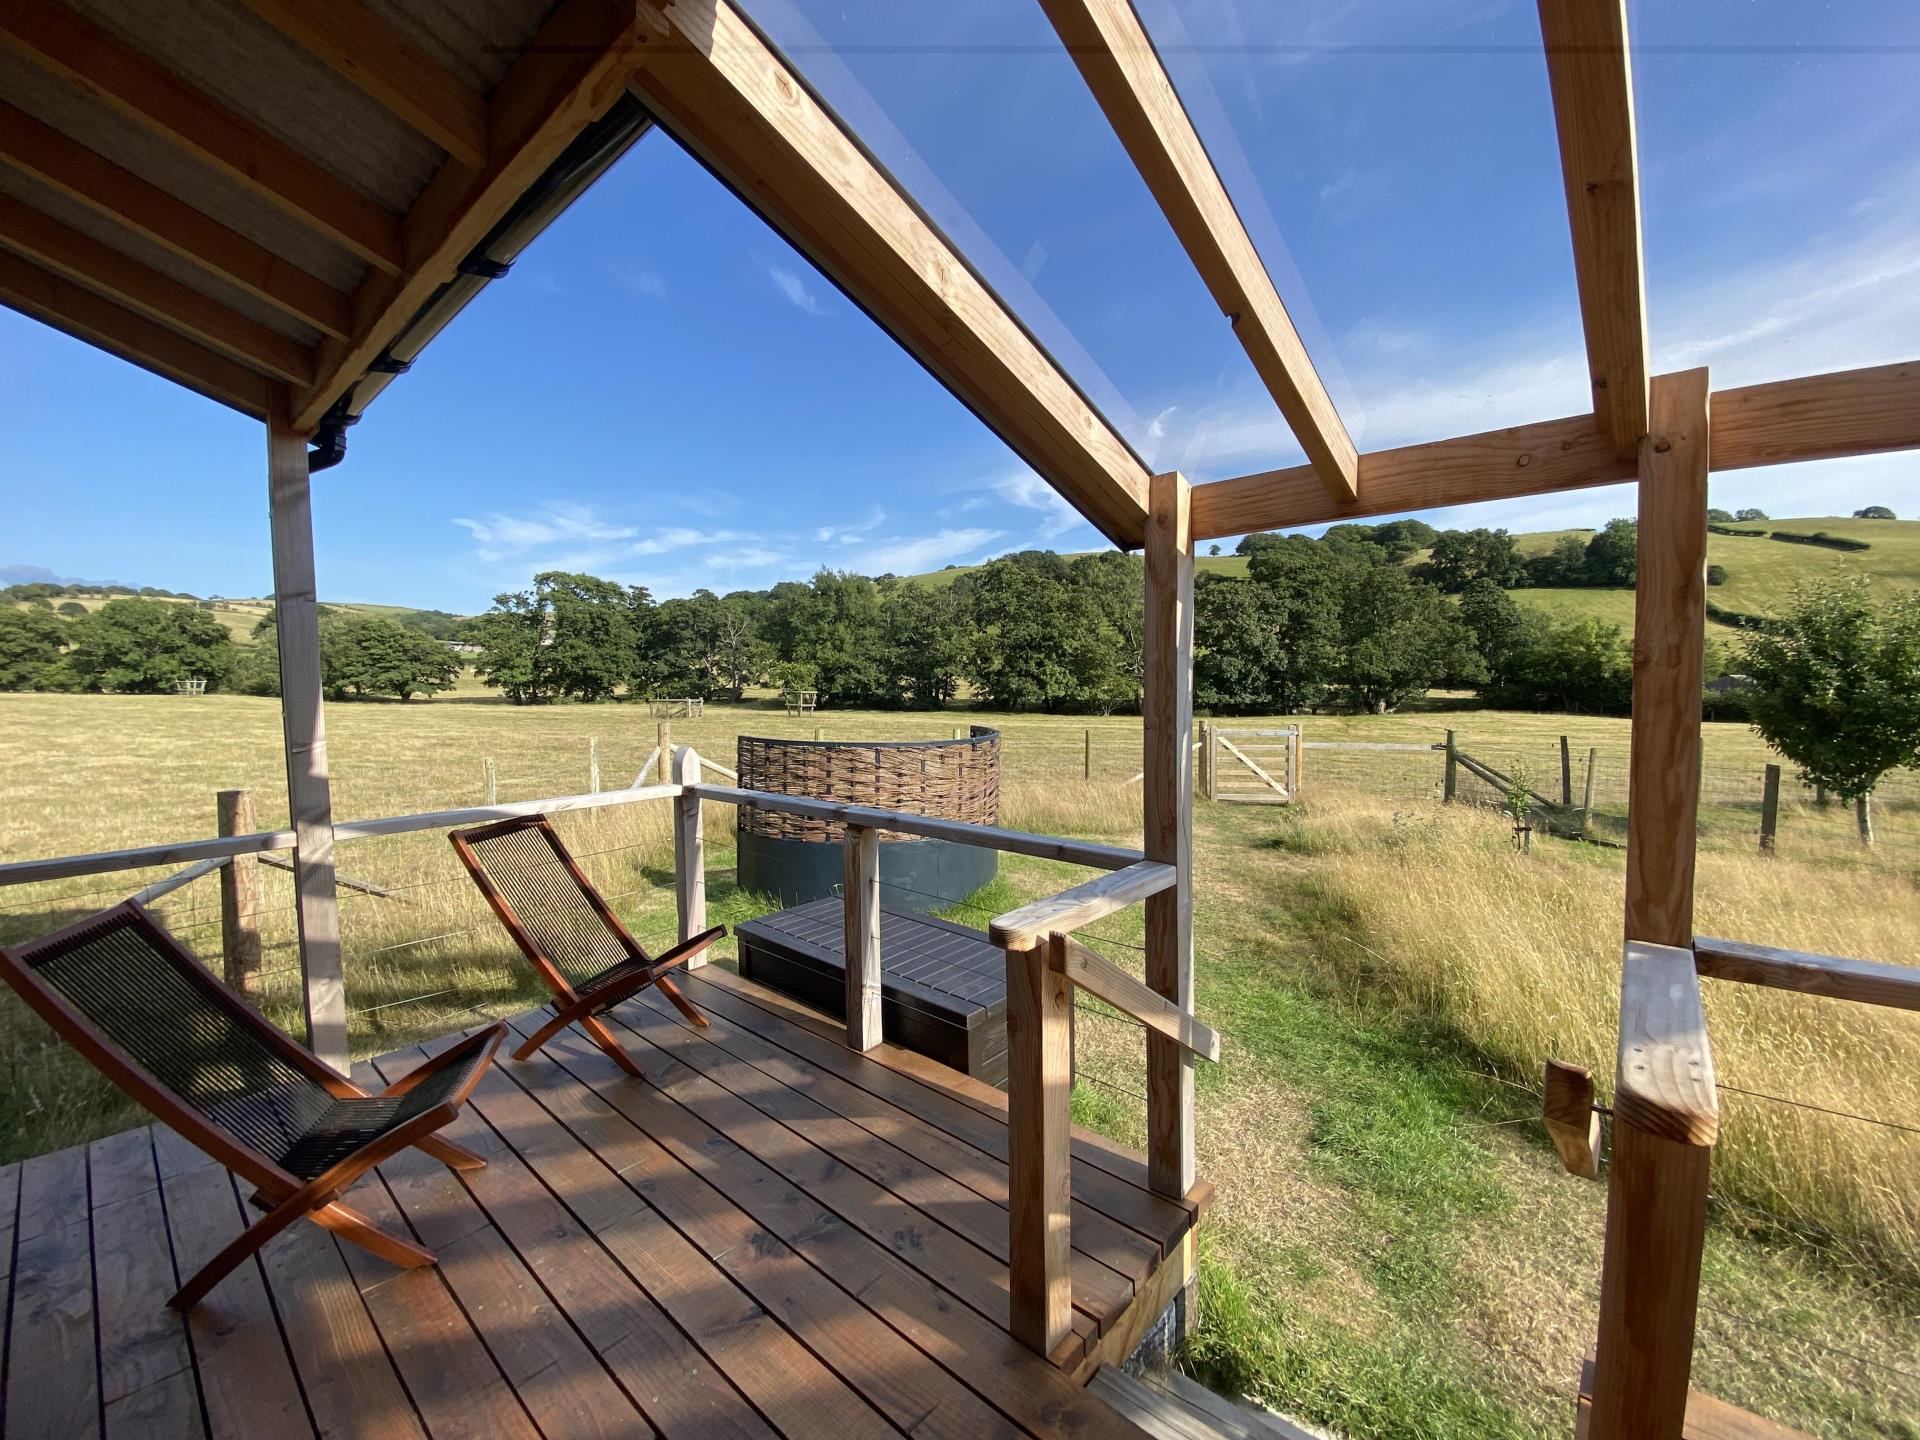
x,y
948,779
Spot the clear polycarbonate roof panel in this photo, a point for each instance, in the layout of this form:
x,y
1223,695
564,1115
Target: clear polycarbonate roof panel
x,y
1780,182
1395,164
981,114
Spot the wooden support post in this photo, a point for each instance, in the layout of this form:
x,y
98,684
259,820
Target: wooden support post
x,y
489,781
1820,796
239,897
1167,804
1586,799
1206,758
860,901
665,752
1566,773
1086,763
304,732
819,732
1296,763
1769,809
1039,1080
1450,783
593,765
1657,1187
689,850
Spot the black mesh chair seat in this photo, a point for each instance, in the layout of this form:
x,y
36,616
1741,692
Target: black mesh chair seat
x,y
351,1123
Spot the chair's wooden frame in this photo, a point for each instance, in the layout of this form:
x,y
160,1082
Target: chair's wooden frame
x,y
571,1006
284,1196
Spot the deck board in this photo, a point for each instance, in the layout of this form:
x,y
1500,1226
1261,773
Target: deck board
x,y
767,1236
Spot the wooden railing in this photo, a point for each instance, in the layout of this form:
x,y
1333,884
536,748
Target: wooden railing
x,y
1666,1119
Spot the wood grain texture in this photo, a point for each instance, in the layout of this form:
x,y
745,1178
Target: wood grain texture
x,y
1866,981
144,208
143,91
304,726
568,76
1081,904
1099,976
1589,70
54,300
1666,1081
689,849
1566,1105
1039,1079
380,61
1818,417
1708,1418
725,95
1669,645
860,899
1167,813
1118,62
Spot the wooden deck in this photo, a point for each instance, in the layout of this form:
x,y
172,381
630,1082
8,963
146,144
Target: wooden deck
x,y
770,1235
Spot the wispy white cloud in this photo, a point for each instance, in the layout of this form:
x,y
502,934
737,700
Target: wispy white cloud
x,y
911,555
851,534
640,279
748,557
794,289
498,536
1028,491
679,537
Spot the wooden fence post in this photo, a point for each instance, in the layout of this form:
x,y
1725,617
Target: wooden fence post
x,y
1657,1183
1296,762
1586,799
593,764
1566,773
665,772
1450,783
239,897
689,851
1039,1071
489,780
1086,764
1769,809
304,739
1167,814
860,905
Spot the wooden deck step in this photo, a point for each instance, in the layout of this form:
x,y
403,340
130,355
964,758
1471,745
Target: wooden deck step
x,y
1172,1407
1707,1418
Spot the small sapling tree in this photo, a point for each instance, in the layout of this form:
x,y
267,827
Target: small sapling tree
x,y
1837,689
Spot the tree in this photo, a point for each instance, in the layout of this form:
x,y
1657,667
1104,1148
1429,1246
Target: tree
x,y
1750,514
1398,638
72,609
572,636
925,646
370,655
1837,688
1716,574
1585,666
1562,566
1502,631
1613,555
1268,642
1875,512
146,646
1717,516
1460,557
1213,549
30,645
1401,538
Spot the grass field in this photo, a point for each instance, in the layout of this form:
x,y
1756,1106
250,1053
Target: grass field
x,y
1395,1251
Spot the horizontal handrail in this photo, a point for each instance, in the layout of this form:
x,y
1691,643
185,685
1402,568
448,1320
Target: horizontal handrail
x,y
964,832
167,884
1102,977
1866,981
226,847
1666,1083
1081,904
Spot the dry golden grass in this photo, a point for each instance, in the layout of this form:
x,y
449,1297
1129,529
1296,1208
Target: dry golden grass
x,y
1522,953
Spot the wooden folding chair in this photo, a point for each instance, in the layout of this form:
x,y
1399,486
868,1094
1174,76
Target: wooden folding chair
x,y
568,933
136,1003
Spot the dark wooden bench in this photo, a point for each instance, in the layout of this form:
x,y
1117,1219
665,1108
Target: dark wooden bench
x,y
943,987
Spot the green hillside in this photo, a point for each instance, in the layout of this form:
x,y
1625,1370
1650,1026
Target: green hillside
x,y
1761,572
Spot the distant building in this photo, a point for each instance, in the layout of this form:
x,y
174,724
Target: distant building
x,y
1726,683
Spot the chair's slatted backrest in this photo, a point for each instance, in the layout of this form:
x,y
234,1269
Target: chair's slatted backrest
x,y
522,864
128,982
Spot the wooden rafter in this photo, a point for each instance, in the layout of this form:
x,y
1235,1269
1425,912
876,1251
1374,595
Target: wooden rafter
x,y
379,60
139,88
720,90
107,189
1591,75
1117,59
570,74
101,267
86,316
1815,417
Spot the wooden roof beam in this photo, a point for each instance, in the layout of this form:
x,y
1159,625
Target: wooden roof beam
x,y
1117,59
569,75
1590,70
379,60
133,84
144,208
86,316
101,267
1814,417
717,86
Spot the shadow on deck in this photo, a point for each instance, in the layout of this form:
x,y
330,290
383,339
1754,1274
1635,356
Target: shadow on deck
x,y
770,1235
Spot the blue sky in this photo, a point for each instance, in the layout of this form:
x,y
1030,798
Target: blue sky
x,y
664,393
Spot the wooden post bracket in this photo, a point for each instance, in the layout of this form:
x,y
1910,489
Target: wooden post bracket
x,y
1566,1105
